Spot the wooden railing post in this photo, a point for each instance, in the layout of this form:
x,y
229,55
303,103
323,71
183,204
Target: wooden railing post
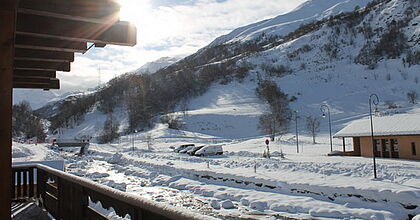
x,y
13,185
25,183
18,182
31,183
40,191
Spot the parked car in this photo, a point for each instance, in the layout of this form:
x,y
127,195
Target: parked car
x,y
210,150
182,147
194,149
185,150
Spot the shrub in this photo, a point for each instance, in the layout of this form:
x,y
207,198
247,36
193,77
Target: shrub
x,y
110,131
412,97
173,121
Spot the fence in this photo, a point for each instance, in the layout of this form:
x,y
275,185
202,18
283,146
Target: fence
x,y
66,196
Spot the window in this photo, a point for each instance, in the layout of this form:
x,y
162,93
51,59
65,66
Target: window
x,y
394,145
377,145
413,148
386,145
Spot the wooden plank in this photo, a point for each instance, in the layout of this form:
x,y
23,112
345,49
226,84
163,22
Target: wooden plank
x,y
34,73
50,44
74,8
32,79
93,214
7,34
31,183
42,65
43,55
18,184
51,204
52,84
79,208
40,184
119,33
25,184
13,188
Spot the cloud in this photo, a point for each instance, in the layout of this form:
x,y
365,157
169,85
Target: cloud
x,y
169,28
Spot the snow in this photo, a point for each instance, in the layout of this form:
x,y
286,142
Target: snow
x,y
242,184
282,25
401,124
302,185
152,67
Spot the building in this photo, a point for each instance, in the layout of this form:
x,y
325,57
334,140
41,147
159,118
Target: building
x,y
396,136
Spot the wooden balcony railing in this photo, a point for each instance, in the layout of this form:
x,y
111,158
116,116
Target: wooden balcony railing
x,y
66,196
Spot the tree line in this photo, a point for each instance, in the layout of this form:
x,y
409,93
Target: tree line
x,y
25,124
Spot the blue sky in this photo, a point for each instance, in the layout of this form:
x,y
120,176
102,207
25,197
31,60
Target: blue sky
x,y
169,28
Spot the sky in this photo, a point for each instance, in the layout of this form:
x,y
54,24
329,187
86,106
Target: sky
x,y
167,28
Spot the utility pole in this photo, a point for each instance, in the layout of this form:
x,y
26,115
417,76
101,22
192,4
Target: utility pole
x,y
297,134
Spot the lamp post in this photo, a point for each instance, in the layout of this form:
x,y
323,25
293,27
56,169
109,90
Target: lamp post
x,y
373,98
297,134
324,109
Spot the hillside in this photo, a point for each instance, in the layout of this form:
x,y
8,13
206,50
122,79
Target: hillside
x,y
336,58
154,66
333,52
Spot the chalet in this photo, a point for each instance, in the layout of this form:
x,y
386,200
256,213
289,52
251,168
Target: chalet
x,y
396,136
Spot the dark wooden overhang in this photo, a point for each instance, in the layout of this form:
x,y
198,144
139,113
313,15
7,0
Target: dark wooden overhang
x,y
49,32
39,38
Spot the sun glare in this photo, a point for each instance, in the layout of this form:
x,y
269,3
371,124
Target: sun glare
x,y
134,10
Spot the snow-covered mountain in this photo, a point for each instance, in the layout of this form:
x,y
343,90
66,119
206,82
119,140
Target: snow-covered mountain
x,y
36,97
152,67
286,23
317,54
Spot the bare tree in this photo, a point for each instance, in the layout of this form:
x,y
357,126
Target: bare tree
x,y
149,141
391,104
184,106
412,97
273,124
312,126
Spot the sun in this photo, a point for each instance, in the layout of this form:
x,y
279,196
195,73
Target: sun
x,y
134,11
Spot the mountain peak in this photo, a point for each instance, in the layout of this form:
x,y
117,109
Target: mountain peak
x,y
286,23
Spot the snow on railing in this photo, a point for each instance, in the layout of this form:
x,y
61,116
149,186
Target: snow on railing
x,y
66,196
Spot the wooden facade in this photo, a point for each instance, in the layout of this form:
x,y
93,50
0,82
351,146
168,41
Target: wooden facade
x,y
401,146
391,146
38,38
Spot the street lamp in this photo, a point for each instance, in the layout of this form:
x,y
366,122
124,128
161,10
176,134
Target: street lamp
x,y
324,109
373,98
297,134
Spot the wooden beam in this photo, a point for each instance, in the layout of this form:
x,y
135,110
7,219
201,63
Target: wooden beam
x,y
43,55
7,38
34,73
38,65
37,83
32,79
74,8
50,44
119,33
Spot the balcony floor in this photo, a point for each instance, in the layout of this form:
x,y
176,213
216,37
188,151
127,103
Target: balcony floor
x,y
24,210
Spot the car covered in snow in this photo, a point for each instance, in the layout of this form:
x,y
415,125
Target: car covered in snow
x,y
194,149
210,150
183,147
185,150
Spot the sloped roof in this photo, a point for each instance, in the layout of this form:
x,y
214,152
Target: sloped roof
x,y
400,124
49,32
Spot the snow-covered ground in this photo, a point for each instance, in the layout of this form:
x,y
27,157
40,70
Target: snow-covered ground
x,y
241,183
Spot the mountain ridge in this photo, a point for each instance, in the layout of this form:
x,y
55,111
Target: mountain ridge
x,y
309,66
